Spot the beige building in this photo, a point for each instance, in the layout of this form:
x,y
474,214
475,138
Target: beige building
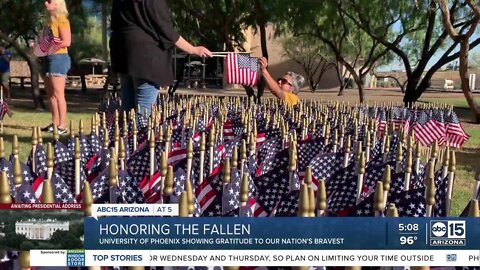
x,y
279,63
40,229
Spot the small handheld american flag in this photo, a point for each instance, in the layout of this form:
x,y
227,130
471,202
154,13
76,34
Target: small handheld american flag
x,y
241,69
46,43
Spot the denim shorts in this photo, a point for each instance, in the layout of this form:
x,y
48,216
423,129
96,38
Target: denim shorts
x,y
56,65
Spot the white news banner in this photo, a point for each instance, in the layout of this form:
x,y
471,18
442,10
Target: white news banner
x,y
407,258
111,210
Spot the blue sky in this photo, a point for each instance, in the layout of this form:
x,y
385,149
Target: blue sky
x,y
398,65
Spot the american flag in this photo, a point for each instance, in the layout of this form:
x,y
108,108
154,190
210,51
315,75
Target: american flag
x,y
129,191
47,43
4,109
422,130
61,153
7,168
95,143
456,135
66,171
86,151
101,190
179,186
307,150
207,193
342,190
288,205
441,189
271,188
40,160
99,162
231,192
61,191
381,121
274,160
25,193
241,69
232,129
409,203
326,165
139,164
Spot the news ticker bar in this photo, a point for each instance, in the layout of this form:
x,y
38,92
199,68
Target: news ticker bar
x,y
255,258
296,233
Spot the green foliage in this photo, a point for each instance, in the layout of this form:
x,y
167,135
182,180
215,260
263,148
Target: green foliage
x,y
16,23
27,245
12,241
86,38
65,240
212,23
77,229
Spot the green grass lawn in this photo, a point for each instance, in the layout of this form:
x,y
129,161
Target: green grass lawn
x,y
21,124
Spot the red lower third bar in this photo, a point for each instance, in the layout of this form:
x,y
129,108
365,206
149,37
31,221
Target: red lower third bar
x,y
41,206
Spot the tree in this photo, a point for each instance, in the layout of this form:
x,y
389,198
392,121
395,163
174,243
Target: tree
x,y
352,48
77,229
217,23
65,240
12,241
16,29
464,40
87,41
314,57
414,33
26,245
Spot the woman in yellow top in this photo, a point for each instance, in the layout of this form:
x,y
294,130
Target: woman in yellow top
x,y
56,39
285,88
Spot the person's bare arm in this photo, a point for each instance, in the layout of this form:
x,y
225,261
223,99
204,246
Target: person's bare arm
x,y
271,83
66,36
185,46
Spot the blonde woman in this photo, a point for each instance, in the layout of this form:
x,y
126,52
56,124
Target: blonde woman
x,y
54,41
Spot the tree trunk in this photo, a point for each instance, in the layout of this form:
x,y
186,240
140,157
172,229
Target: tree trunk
x,y
463,70
411,94
104,34
82,75
357,78
341,81
359,82
34,71
35,85
262,25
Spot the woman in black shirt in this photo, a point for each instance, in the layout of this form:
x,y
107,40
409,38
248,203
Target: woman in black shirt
x,y
141,49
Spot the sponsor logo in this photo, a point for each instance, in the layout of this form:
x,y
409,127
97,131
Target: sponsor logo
x,y
75,258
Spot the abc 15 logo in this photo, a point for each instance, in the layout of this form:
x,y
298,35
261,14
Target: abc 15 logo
x,y
451,229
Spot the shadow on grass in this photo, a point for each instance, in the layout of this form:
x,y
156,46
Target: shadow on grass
x,y
77,102
465,114
468,160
